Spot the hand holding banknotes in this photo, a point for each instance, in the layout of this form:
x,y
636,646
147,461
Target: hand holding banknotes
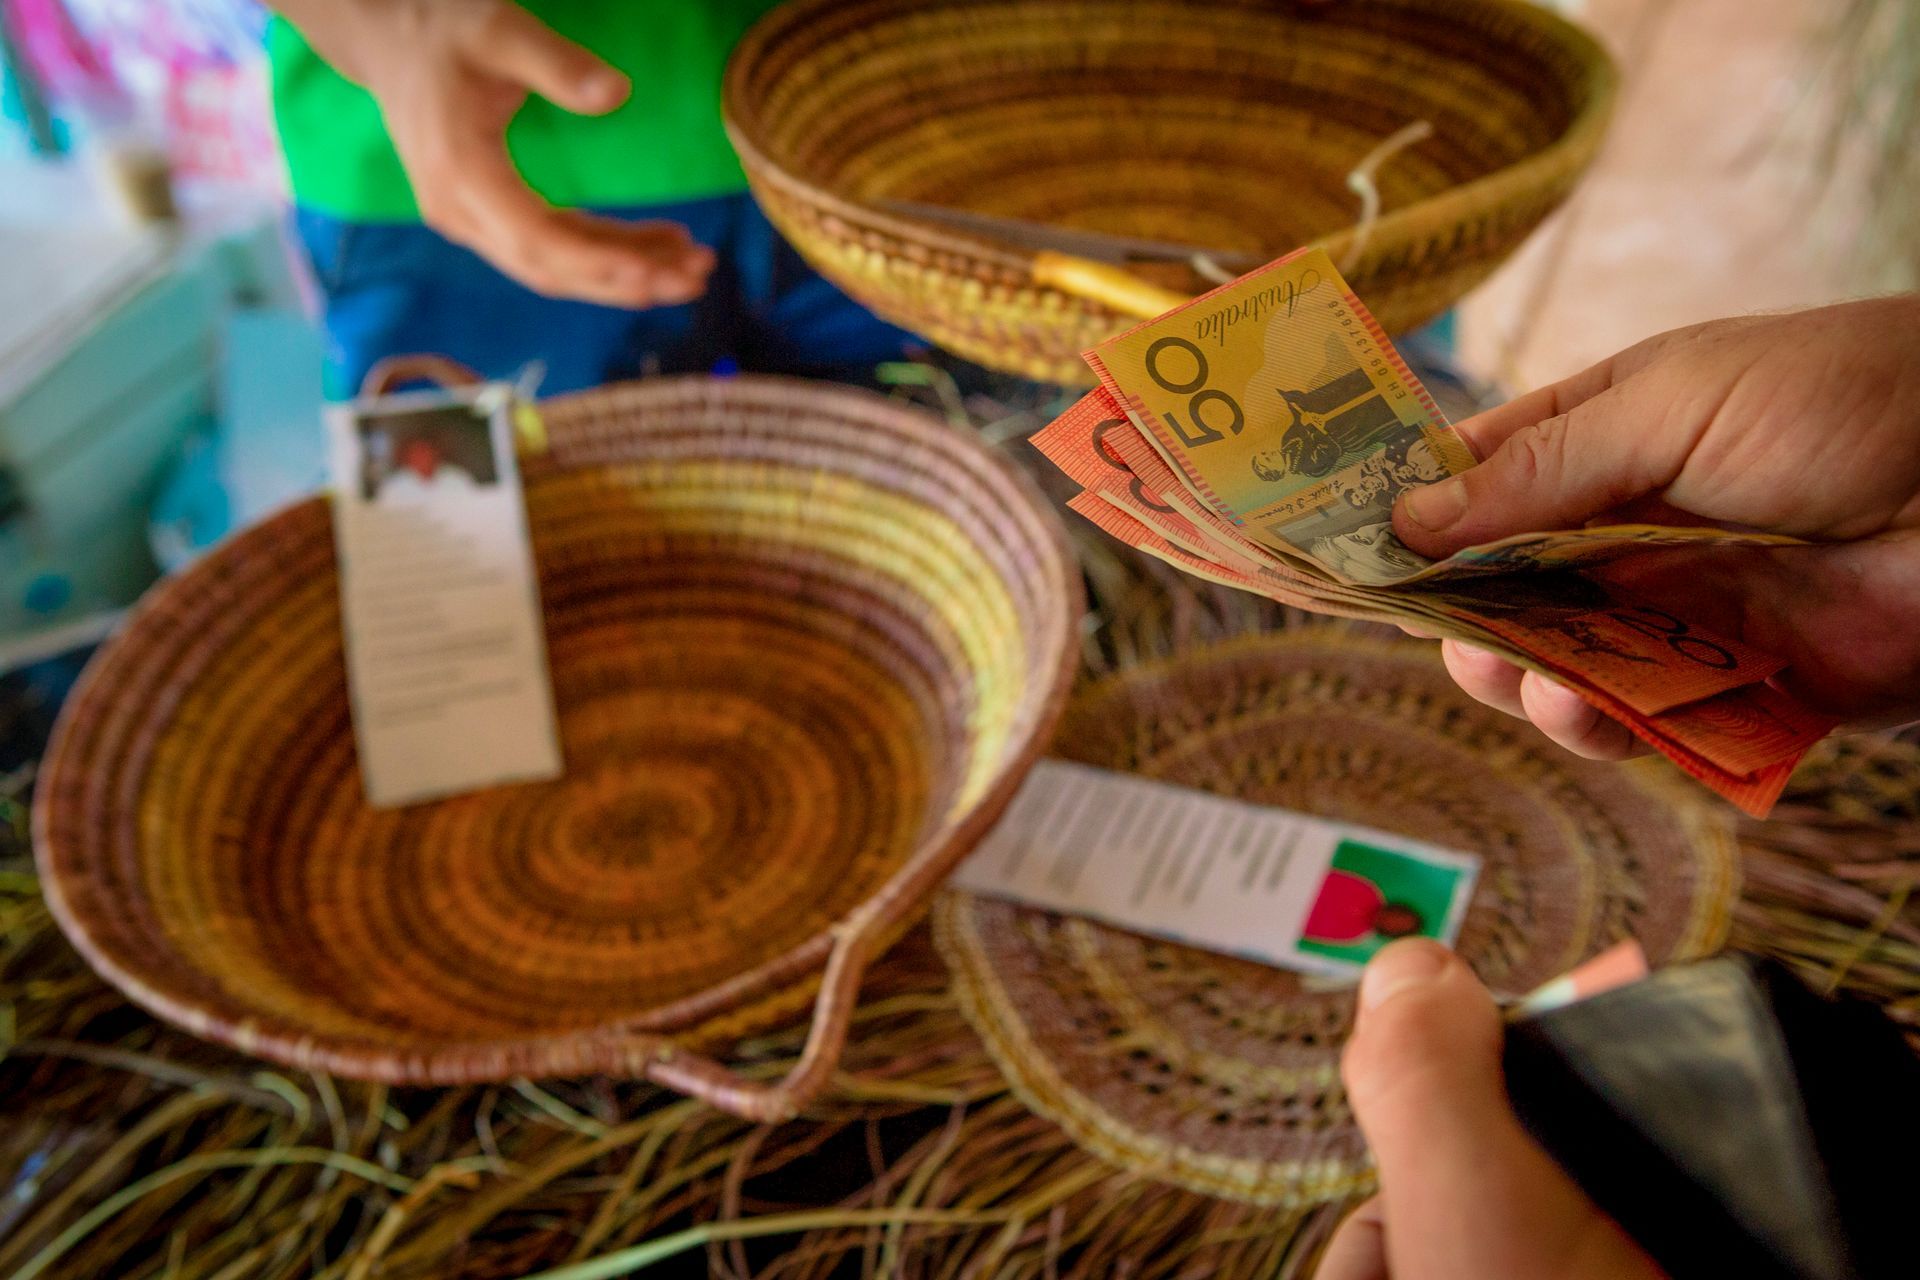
x,y
1805,424
1465,1194
449,75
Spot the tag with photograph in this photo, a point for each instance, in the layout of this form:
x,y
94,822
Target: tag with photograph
x,y
446,651
1267,884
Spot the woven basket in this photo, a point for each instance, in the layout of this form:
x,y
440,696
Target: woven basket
x,y
1222,1075
1230,125
804,645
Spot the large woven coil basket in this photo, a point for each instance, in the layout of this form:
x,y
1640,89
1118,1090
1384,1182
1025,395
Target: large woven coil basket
x,y
804,644
1230,125
1222,1075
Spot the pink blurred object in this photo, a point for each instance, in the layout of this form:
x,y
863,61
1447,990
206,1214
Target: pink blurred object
x,y
220,127
189,74
61,58
1618,965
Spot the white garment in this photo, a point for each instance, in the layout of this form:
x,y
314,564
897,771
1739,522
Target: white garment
x,y
407,488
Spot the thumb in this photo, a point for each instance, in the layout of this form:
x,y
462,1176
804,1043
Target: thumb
x,y
515,45
1466,1192
1422,1071
1556,473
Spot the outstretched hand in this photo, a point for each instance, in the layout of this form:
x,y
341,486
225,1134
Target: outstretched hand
x,y
1805,424
449,75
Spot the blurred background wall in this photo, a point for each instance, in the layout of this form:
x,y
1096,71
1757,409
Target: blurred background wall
x,y
1738,177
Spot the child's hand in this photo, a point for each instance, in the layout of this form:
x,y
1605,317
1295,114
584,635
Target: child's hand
x,y
449,75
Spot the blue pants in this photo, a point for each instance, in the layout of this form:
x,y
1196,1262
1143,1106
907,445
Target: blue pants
x,y
398,288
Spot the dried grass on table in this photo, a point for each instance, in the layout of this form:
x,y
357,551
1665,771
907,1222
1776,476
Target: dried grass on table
x,y
129,1150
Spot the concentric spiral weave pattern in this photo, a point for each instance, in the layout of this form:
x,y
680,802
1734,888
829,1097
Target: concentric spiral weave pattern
x,y
1221,1074
803,643
1231,126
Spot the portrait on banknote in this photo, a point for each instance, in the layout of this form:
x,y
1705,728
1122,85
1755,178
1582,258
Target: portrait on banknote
x,y
1369,554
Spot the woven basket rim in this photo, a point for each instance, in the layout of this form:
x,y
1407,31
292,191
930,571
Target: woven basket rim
x,y
1567,154
608,1047
1648,774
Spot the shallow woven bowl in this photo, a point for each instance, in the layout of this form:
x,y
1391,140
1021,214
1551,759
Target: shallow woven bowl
x,y
1230,125
1222,1075
804,643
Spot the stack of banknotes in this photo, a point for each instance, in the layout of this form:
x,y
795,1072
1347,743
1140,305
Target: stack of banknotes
x,y
1258,436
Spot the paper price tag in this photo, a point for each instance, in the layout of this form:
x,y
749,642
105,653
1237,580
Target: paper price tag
x,y
446,652
1243,879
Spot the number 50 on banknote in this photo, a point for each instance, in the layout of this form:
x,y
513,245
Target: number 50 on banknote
x,y
1342,427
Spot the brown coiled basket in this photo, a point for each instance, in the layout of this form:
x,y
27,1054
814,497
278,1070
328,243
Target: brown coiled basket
x,y
805,643
1229,125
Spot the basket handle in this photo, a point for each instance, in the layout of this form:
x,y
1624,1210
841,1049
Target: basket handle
x,y
662,1060
529,430
391,371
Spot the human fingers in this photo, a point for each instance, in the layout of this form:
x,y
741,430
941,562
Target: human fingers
x,y
1422,1071
566,253
1558,712
1484,676
1358,1250
1464,1192
1628,441
505,39
1574,723
1487,431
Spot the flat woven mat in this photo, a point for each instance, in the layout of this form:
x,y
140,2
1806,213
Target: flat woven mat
x,y
1222,1074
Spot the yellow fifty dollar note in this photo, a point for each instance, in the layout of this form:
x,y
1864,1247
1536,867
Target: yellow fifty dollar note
x,y
1280,403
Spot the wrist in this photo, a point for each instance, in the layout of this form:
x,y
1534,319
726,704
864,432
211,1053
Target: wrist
x,y
345,32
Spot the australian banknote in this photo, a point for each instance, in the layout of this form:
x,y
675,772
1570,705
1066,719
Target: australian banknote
x,y
1278,402
1259,436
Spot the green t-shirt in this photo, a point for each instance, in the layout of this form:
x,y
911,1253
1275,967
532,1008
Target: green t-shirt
x,y
664,144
